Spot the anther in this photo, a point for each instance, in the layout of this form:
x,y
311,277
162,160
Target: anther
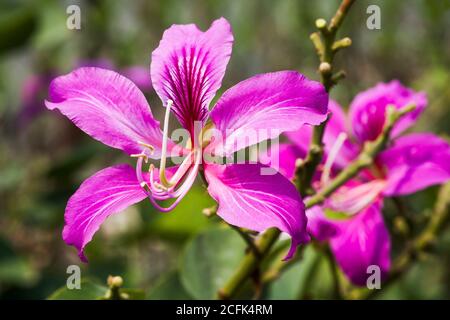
x,y
146,145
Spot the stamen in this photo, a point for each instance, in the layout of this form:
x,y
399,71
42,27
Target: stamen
x,y
165,188
332,157
146,145
352,200
180,192
162,166
182,169
140,155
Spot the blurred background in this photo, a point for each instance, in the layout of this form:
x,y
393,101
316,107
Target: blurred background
x,y
184,254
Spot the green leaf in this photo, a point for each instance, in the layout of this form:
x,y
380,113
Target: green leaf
x,y
90,290
209,260
186,219
170,288
293,282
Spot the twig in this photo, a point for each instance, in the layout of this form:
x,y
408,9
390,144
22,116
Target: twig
x,y
326,45
337,289
248,240
326,53
365,158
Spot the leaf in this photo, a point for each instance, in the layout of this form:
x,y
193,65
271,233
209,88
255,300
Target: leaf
x,y
292,282
169,288
90,290
186,219
209,260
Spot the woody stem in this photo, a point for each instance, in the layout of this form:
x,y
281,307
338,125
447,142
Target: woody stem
x,y
264,244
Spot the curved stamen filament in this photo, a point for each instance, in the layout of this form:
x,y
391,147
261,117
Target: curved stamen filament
x,y
165,188
332,157
171,192
162,166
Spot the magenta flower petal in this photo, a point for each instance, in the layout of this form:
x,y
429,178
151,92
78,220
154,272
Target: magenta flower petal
x,y
266,105
336,126
108,107
367,111
416,161
109,191
284,160
301,138
257,202
362,241
319,226
188,68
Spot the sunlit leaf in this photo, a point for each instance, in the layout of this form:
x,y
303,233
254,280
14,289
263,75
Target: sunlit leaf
x,y
89,291
209,261
169,288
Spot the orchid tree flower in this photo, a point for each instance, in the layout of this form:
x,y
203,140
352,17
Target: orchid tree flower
x,y
351,219
186,70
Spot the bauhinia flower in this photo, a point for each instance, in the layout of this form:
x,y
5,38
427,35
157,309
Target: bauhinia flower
x,y
186,70
351,219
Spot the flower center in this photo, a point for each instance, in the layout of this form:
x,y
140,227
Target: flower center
x,y
175,187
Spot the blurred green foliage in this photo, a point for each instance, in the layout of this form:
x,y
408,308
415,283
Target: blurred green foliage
x,y
183,254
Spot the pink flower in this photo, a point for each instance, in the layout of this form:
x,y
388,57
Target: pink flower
x,y
186,70
351,218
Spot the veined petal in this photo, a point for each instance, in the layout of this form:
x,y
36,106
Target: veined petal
x,y
368,109
108,107
282,157
319,226
362,241
109,191
415,162
188,68
257,202
266,105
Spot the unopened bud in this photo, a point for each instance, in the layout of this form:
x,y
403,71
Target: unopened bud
x,y
115,281
321,23
325,67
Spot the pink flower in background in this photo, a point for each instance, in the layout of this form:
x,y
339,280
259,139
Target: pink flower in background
x,y
186,70
33,91
351,218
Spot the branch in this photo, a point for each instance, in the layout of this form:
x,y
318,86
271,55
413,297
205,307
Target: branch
x,y
326,53
324,41
365,158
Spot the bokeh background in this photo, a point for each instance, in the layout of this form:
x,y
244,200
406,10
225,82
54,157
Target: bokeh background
x,y
183,254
